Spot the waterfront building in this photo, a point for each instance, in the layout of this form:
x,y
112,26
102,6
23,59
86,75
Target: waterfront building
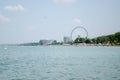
x,y
47,42
67,39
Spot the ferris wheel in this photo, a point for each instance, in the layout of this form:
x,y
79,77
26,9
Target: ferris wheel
x,y
79,31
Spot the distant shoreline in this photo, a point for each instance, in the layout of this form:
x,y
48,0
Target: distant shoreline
x,y
79,44
84,44
106,40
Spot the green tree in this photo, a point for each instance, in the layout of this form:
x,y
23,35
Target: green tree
x,y
93,40
79,40
111,38
87,41
117,37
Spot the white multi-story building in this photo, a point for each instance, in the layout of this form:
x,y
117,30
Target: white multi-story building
x,y
67,39
47,42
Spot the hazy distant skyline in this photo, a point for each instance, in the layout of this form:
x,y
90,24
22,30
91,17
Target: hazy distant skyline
x,y
31,20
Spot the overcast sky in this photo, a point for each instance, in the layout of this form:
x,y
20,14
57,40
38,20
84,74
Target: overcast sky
x,y
31,20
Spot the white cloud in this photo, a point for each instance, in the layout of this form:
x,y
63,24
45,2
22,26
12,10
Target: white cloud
x,y
65,1
3,18
14,8
76,20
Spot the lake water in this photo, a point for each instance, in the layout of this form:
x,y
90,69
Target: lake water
x,y
59,63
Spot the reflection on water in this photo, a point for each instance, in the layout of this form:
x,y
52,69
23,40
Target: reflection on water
x,y
59,63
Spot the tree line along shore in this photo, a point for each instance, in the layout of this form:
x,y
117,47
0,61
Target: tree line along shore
x,y
106,40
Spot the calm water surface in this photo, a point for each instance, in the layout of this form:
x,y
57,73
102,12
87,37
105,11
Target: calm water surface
x,y
59,63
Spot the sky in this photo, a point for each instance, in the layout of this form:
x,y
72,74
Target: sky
x,y
24,21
